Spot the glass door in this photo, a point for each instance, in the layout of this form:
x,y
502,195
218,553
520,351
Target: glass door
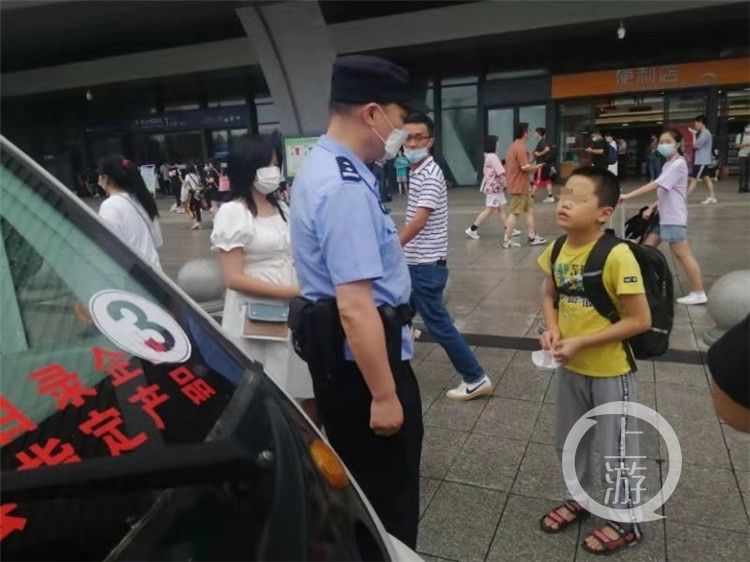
x,y
535,116
502,123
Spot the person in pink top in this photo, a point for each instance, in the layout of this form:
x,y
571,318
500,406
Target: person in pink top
x,y
493,187
671,191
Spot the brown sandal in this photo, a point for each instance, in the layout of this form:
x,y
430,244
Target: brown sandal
x,y
575,510
626,538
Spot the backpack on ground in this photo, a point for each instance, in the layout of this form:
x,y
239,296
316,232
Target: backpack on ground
x,y
657,283
612,155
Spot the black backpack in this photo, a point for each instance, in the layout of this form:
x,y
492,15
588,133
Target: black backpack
x,y
657,282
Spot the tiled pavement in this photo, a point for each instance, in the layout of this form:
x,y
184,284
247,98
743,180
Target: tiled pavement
x,y
489,468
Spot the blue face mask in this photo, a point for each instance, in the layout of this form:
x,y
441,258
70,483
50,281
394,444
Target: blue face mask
x,y
414,155
666,150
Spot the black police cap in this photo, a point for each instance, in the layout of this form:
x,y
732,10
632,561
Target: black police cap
x,y
365,79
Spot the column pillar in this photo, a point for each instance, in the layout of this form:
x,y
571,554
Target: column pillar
x,y
294,48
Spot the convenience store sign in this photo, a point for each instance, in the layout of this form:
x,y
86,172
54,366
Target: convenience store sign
x,y
649,78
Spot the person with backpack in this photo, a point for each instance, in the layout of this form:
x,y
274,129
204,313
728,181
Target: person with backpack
x,y
593,350
194,193
544,155
601,153
671,191
612,146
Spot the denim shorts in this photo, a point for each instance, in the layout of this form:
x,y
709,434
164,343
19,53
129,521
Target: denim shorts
x,y
671,232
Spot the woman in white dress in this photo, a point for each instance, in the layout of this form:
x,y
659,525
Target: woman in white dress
x,y
251,236
130,210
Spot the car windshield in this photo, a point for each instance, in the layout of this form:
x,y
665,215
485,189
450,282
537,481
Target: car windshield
x,y
129,426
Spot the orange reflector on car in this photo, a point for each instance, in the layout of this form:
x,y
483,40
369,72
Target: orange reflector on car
x,y
328,464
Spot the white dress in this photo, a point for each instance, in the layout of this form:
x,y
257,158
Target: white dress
x,y
125,216
268,257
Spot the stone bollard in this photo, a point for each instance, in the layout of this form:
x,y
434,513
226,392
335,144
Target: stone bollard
x,y
728,303
203,280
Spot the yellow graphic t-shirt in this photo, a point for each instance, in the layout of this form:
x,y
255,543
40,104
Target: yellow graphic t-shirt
x,y
576,315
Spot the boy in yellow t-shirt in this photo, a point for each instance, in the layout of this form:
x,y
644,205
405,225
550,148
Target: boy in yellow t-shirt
x,y
595,368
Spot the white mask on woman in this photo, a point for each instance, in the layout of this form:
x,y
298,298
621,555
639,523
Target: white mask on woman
x,y
267,179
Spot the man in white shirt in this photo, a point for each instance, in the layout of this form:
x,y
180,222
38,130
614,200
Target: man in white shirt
x,y
425,242
742,142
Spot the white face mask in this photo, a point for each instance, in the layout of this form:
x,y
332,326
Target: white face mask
x,y
267,179
395,140
414,155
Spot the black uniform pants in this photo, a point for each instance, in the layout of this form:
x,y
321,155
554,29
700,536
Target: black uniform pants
x,y
386,468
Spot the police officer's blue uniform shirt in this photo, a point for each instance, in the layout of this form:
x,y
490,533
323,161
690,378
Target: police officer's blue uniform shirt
x,y
341,234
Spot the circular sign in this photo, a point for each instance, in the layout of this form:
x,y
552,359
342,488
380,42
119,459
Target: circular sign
x,y
639,513
139,327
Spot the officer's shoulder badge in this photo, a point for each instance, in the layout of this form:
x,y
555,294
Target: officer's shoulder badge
x,y
347,170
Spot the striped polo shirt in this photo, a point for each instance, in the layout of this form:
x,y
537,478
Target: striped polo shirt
x,y
427,189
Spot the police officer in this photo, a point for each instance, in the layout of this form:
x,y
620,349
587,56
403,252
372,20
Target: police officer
x,y
346,248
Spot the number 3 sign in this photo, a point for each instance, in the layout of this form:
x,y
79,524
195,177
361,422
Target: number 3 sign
x,y
139,327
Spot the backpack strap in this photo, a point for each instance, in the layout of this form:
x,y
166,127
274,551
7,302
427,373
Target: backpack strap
x,y
593,285
556,247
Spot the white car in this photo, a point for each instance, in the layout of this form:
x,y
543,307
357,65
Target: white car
x,y
131,428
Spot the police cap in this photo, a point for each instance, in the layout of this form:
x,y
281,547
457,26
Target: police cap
x,y
365,79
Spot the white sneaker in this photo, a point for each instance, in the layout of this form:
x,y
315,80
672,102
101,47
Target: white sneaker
x,y
173,208
473,234
693,298
510,244
709,200
537,240
196,226
516,232
466,391
180,211
549,199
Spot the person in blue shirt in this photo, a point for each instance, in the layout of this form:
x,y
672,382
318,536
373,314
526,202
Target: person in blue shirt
x,y
346,247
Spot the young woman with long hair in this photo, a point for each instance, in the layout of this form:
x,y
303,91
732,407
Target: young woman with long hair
x,y
130,210
251,237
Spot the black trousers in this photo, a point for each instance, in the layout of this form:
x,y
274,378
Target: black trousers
x,y
744,165
386,468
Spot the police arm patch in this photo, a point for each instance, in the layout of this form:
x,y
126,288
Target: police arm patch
x,y
347,170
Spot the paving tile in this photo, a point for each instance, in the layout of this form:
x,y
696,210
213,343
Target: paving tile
x,y
439,450
460,522
681,374
508,418
427,489
519,537
494,361
551,396
646,393
540,475
544,430
704,544
428,558
487,461
645,370
651,549
743,479
707,496
739,447
701,441
453,414
683,402
523,385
